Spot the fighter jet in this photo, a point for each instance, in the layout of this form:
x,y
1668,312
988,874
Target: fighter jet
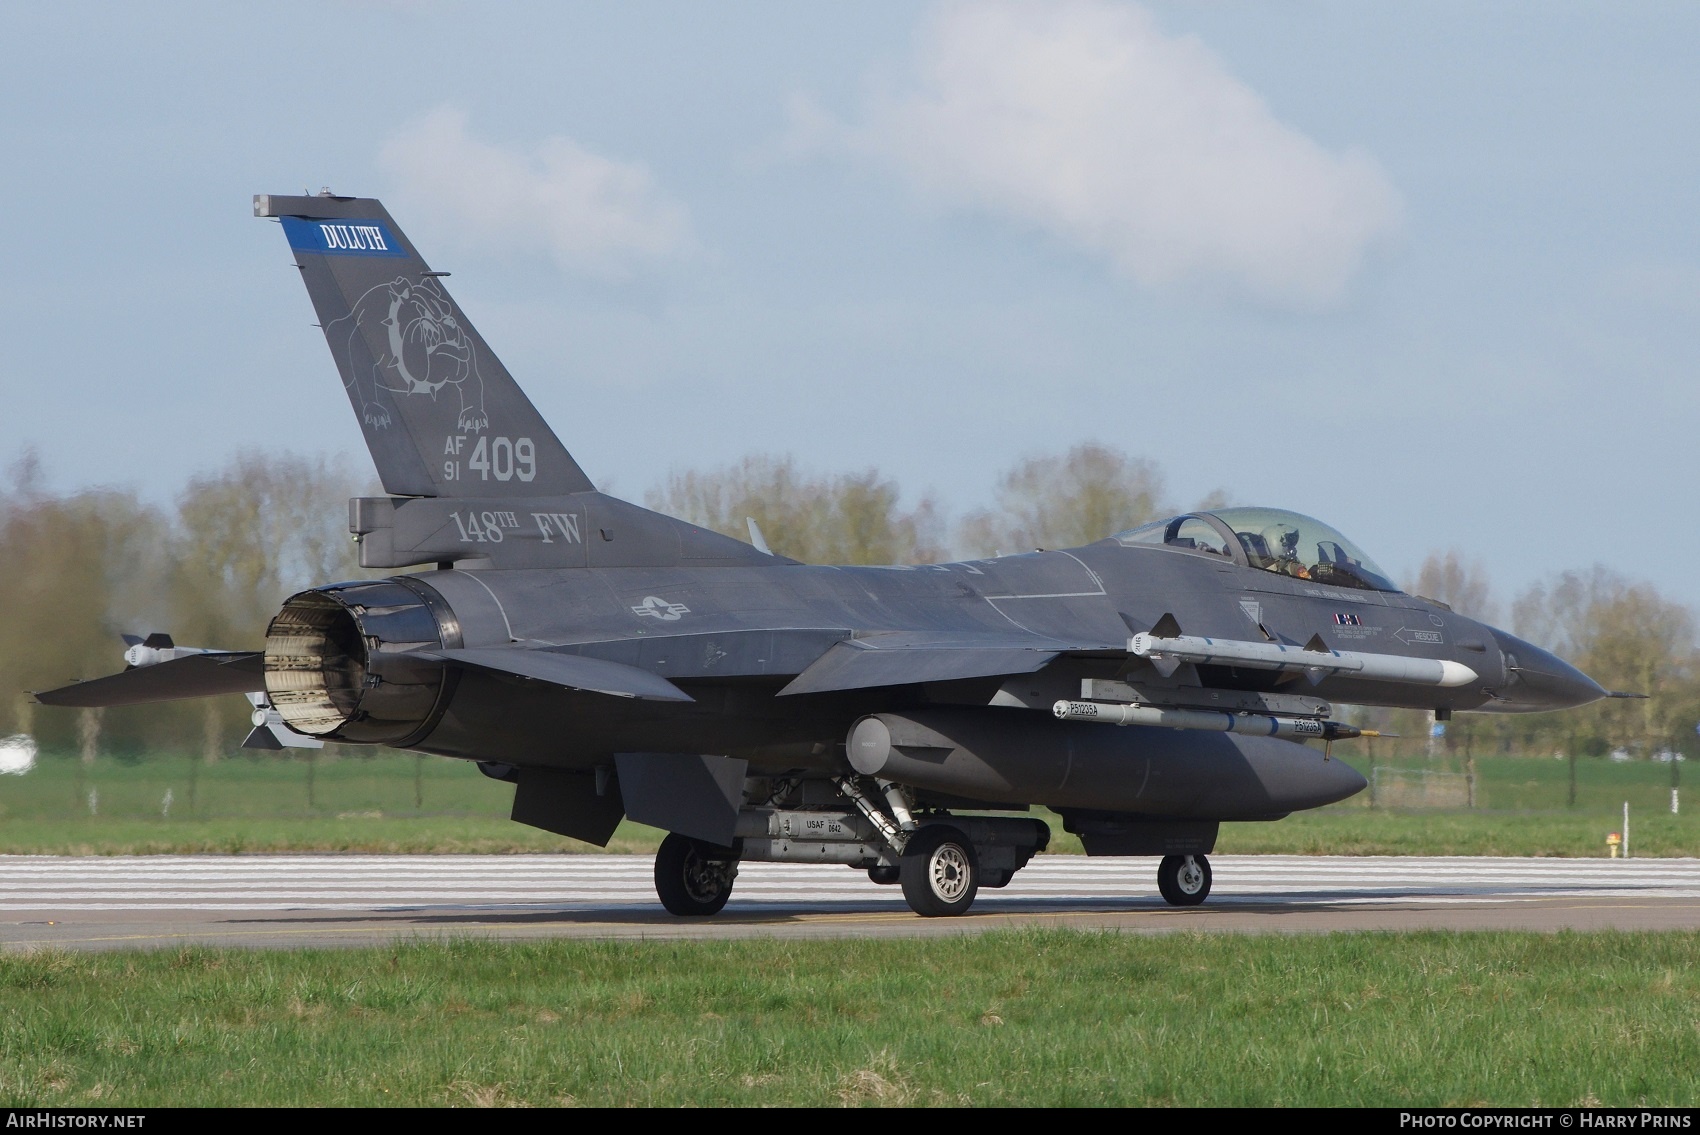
x,y
610,661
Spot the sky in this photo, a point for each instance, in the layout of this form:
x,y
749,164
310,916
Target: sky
x,y
1428,272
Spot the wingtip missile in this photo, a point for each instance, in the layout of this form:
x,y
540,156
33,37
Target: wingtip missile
x,y
156,648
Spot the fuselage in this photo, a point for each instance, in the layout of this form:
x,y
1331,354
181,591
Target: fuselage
x,y
734,637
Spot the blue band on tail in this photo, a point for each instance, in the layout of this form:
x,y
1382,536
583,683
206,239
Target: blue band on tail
x,y
342,237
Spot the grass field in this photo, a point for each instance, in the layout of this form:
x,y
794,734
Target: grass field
x,y
1032,1018
398,803
1358,831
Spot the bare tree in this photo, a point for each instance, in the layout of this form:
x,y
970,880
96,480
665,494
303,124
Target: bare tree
x,y
62,559
852,518
1460,584
247,536
250,534
1084,495
1626,636
78,569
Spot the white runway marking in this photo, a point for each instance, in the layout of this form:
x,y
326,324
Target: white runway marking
x,y
589,882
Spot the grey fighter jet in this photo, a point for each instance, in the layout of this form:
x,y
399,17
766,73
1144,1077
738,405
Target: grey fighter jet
x,y
610,661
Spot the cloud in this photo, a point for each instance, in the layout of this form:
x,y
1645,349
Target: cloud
x,y
592,214
1082,118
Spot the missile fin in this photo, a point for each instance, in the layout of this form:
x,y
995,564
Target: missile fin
x,y
262,738
1165,664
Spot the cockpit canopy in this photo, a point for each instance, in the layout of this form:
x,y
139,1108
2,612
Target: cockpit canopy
x,y
1271,539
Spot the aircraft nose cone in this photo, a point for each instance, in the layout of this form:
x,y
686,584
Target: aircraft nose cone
x,y
1538,679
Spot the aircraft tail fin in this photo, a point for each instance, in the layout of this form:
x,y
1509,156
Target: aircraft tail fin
x,y
441,415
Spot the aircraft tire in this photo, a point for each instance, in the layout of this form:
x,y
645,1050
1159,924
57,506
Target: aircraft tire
x,y
1184,880
885,876
939,872
693,878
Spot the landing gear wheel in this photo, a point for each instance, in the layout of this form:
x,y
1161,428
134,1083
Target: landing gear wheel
x,y
883,875
939,873
693,878
1184,880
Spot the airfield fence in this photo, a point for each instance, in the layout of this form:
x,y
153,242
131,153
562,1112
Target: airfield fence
x,y
1408,788
351,784
1450,783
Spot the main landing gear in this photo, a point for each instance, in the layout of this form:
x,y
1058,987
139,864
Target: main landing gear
x,y
939,872
693,877
1184,880
939,860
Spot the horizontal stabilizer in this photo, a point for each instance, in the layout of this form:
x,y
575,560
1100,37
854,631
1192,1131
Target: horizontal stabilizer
x,y
196,676
575,672
855,666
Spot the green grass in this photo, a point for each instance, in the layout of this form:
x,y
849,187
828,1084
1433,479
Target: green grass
x,y
400,803
385,803
265,786
1359,831
382,835
1035,1017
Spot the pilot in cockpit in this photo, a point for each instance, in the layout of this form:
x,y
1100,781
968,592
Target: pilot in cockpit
x,y
1272,540
1284,540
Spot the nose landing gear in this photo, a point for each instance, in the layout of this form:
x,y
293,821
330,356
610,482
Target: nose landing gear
x,y
1184,880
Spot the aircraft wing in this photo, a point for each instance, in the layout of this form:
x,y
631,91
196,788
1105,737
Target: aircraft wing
x,y
196,676
573,671
899,660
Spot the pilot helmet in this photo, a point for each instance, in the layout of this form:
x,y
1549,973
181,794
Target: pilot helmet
x,y
1282,540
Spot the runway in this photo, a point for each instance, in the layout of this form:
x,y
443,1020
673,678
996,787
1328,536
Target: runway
x,y
321,900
